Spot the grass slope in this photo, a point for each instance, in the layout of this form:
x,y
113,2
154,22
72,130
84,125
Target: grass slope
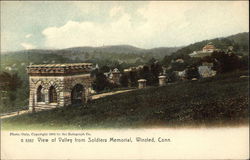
x,y
221,100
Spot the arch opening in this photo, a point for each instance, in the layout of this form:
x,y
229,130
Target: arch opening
x,y
52,95
77,94
40,94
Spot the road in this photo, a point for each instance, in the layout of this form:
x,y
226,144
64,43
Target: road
x,y
109,93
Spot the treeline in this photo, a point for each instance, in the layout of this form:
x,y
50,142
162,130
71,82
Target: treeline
x,y
12,94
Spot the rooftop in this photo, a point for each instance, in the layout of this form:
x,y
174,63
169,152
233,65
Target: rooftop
x,y
60,65
59,69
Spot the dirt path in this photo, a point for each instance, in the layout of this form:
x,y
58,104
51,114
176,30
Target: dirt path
x,y
109,93
14,114
93,98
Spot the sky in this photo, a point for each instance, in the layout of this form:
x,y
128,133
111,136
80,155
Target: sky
x,y
144,24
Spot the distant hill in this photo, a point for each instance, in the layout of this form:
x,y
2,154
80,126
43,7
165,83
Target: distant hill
x,y
238,41
125,49
125,54
108,49
113,49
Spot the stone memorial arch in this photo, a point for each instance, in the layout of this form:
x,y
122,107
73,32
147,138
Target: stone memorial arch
x,y
58,85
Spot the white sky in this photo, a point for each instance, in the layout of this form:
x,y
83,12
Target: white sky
x,y
29,25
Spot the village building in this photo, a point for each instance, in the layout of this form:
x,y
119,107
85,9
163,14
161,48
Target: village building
x,y
179,60
58,85
207,50
133,69
107,74
181,75
113,76
205,70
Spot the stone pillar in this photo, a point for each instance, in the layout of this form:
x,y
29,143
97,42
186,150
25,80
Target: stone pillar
x,y
32,96
162,80
142,83
31,102
87,94
46,96
61,99
67,98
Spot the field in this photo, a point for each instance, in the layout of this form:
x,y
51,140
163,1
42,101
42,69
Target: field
x,y
219,101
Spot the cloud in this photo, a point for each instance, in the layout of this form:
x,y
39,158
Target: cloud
x,y
28,35
161,24
116,10
92,34
9,41
28,46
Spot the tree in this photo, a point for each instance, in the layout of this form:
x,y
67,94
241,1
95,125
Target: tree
x,y
175,66
225,62
151,61
167,60
155,70
145,73
101,82
244,62
94,72
124,80
192,72
133,78
104,69
9,84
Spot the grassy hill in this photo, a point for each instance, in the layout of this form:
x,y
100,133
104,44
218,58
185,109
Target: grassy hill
x,y
221,100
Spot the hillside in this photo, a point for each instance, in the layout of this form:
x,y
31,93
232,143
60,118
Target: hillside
x,y
238,41
89,53
108,49
221,100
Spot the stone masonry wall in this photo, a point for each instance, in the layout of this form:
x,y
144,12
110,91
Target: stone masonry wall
x,y
63,86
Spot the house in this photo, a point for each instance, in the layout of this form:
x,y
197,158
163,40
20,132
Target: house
x,y
113,76
209,47
180,75
133,69
179,60
205,70
207,50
